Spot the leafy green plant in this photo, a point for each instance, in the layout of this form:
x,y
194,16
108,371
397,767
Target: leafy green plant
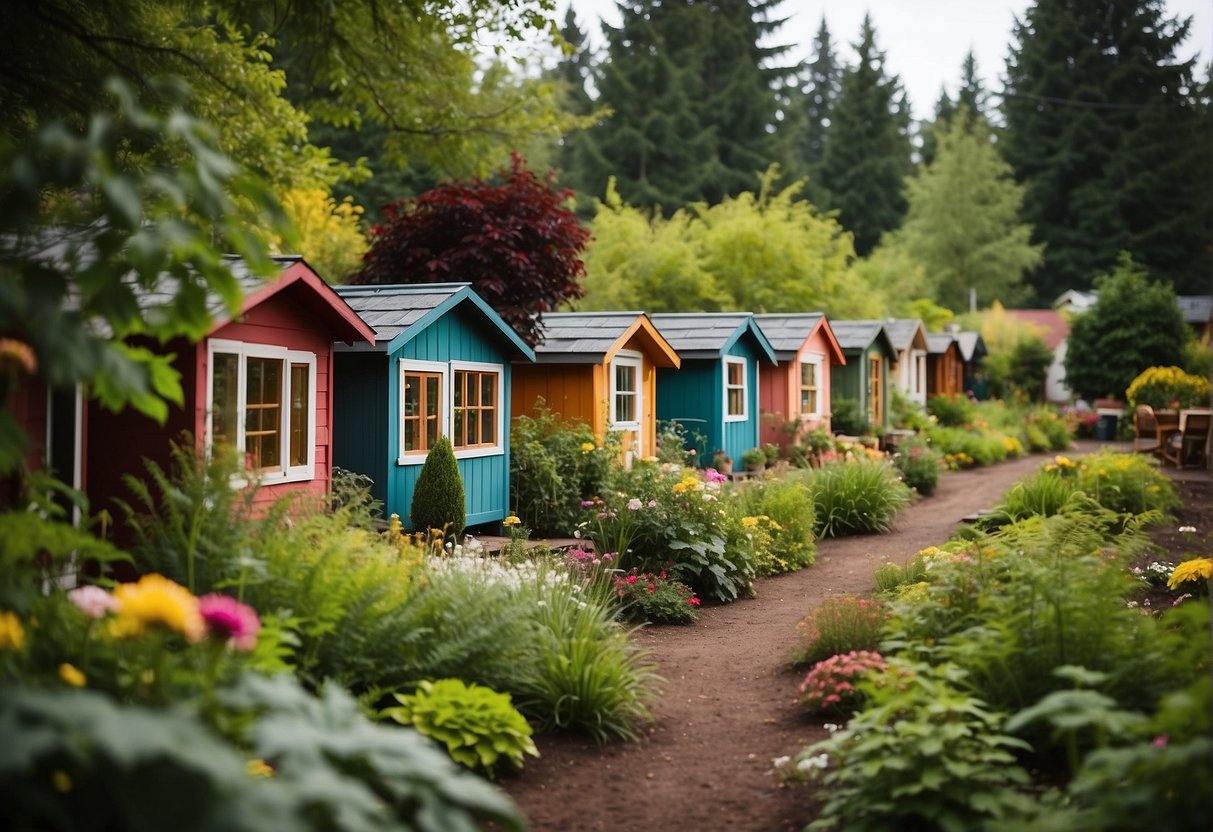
x,y
920,465
438,501
754,459
656,599
846,417
1126,483
890,576
479,727
842,624
924,754
857,497
784,509
952,411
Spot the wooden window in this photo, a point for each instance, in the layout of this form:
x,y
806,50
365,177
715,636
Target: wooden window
x,y
475,409
875,391
809,372
734,389
625,392
421,410
263,400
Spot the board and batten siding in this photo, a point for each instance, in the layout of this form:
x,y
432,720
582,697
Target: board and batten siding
x,y
741,436
360,407
692,397
456,336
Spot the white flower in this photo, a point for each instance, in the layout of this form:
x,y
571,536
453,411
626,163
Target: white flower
x,y
832,727
780,762
1187,529
541,603
808,763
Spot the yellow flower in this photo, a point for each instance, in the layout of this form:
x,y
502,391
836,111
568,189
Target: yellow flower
x,y
586,447
1197,569
259,768
749,522
679,487
512,520
12,634
1063,461
155,601
71,676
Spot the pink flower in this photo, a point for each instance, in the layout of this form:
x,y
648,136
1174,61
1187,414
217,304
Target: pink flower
x,y
631,579
712,475
652,588
227,619
693,601
634,504
1161,741
587,503
93,601
652,504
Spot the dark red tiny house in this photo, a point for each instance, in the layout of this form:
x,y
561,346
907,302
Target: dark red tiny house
x,y
261,380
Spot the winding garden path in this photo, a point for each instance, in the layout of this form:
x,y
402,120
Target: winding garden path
x,y
728,704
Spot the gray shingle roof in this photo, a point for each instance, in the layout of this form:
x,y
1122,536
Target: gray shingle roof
x,y
938,342
971,344
787,331
588,334
390,310
856,335
901,331
701,334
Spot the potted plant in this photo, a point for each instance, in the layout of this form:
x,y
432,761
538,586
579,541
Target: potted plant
x,y
754,460
722,463
771,451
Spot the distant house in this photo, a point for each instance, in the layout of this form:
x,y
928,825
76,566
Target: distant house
x,y
798,389
865,377
1052,328
909,372
600,368
1072,300
972,351
714,394
945,368
438,364
260,381
1198,314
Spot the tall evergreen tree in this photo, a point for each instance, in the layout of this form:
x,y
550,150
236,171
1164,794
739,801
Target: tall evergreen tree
x,y
867,150
971,96
1104,127
819,93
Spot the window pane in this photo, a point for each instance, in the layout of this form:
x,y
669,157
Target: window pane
x,y
300,408
736,399
225,370
460,381
735,373
410,434
263,401
458,439
488,389
488,426
808,375
431,432
412,396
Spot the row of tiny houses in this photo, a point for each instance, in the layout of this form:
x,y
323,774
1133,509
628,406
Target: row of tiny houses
x,y
307,377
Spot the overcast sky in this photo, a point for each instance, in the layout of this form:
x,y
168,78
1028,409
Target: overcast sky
x,y
924,41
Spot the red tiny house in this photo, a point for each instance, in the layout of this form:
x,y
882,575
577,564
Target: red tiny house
x,y
797,390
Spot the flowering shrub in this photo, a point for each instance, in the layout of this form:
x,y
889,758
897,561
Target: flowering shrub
x,y
656,598
832,685
1191,575
1168,387
1126,483
841,624
919,464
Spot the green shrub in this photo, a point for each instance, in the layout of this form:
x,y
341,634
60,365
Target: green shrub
x,y
924,754
904,412
1049,424
846,417
890,576
952,411
841,624
1044,493
920,465
1126,483
438,501
857,497
478,726
654,598
784,508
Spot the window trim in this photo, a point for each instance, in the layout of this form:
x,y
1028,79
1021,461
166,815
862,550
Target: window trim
x,y
245,350
627,358
817,360
744,386
498,447
438,368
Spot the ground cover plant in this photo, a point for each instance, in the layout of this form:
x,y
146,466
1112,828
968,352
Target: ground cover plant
x,y
855,497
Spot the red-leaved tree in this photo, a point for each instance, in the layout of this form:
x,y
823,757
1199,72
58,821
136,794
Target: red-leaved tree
x,y
514,241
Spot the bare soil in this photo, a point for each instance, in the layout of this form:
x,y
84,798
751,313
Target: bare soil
x,y
727,707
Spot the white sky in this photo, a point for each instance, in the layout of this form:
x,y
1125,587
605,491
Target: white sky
x,y
924,41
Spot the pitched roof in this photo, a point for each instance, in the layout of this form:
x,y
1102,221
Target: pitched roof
x,y
905,333
1196,309
971,344
1050,324
859,335
788,331
398,312
592,337
710,334
939,342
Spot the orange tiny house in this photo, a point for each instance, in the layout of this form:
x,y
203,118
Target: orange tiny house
x,y
599,368
798,389
945,368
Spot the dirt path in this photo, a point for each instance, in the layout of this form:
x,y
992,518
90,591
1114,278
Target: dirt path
x,y
728,706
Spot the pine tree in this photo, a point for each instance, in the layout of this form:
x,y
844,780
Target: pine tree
x,y
1104,128
438,500
867,149
971,96
817,101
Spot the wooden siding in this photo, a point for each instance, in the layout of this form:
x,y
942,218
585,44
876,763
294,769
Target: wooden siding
x,y
741,436
360,416
457,336
693,397
945,373
570,390
779,393
27,403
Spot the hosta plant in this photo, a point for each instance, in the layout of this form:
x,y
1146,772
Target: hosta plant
x,y
479,727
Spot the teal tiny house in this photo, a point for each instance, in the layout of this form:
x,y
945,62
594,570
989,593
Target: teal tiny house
x,y
715,393
865,376
440,366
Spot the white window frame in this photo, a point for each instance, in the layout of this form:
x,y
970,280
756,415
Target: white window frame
x,y
745,389
445,397
497,448
627,358
918,373
818,362
245,350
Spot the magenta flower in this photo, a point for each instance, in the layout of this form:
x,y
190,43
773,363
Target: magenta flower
x,y
93,601
587,503
712,475
227,619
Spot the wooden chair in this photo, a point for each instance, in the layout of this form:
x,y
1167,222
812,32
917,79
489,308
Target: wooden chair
x,y
1190,443
1145,430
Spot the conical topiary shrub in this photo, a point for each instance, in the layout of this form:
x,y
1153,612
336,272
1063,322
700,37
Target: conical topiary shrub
x,y
438,495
